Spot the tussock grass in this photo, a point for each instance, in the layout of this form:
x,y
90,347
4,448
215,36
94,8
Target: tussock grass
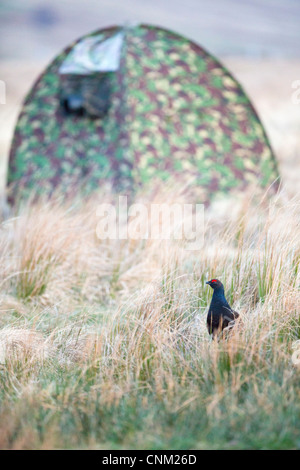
x,y
103,343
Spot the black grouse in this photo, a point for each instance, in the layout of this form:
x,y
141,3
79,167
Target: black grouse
x,y
220,314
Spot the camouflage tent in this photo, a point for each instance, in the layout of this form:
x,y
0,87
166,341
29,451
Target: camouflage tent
x,y
175,113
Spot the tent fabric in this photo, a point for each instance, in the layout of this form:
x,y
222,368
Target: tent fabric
x,y
176,114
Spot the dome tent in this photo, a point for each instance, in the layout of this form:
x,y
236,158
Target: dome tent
x,y
175,113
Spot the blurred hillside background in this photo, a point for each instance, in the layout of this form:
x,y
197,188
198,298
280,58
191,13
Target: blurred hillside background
x,y
258,40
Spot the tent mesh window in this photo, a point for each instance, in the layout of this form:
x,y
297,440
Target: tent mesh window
x,y
86,94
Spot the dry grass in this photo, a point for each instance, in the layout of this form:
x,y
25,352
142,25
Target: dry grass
x,y
104,343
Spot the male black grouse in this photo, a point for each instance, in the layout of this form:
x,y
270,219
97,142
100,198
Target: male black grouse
x,y
220,314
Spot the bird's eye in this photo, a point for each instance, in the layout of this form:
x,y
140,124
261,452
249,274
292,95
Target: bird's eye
x,y
213,280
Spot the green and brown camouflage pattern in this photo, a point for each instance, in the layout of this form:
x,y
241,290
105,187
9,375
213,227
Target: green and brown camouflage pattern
x,y
176,114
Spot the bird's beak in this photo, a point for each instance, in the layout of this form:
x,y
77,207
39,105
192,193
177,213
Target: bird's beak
x,y
208,282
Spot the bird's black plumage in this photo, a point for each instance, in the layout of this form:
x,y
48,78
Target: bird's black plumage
x,y
220,314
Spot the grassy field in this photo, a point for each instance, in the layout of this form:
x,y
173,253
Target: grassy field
x,y
103,344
